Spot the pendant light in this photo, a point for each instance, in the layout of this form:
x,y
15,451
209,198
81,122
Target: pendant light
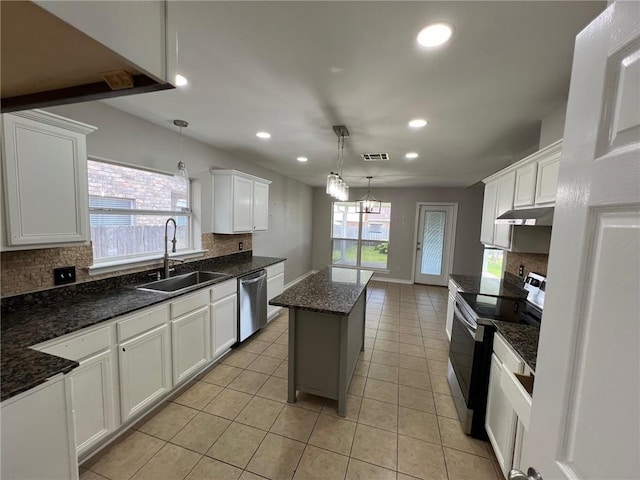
x,y
181,169
336,186
368,204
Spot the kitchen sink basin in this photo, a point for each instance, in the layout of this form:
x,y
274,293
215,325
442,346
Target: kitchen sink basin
x,y
182,282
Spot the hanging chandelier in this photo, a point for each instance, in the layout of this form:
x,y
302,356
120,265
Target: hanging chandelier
x,y
368,203
181,169
336,186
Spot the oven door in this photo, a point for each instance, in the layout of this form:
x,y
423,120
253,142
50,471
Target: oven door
x,y
461,353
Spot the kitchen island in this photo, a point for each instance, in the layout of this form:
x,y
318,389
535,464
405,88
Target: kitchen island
x,y
326,331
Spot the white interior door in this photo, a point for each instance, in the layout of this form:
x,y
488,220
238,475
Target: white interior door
x,y
585,419
434,245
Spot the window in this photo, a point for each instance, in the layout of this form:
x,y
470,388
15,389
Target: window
x,y
492,263
128,209
360,239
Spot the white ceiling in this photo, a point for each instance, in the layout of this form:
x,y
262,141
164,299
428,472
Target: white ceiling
x,y
295,69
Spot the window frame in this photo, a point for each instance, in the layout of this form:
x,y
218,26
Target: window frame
x,y
359,240
107,264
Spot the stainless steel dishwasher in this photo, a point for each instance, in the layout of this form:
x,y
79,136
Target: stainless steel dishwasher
x,y
252,303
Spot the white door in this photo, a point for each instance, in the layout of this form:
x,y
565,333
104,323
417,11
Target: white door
x,y
190,341
504,203
145,370
434,245
585,419
224,324
93,407
488,227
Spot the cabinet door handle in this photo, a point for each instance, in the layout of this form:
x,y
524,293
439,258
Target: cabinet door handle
x,y
124,349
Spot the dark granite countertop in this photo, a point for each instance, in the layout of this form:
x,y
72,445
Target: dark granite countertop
x,y
332,290
488,286
34,318
522,338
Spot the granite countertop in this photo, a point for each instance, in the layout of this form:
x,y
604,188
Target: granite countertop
x,y
488,286
34,318
332,290
522,338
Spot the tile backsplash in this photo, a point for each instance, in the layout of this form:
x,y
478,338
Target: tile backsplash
x,y
26,271
533,262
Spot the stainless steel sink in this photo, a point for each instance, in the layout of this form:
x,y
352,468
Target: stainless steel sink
x,y
182,282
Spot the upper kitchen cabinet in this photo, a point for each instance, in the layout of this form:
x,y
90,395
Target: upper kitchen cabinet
x,y
529,183
44,167
82,51
233,202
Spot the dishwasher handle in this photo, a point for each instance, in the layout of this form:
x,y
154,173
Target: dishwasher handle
x,y
253,278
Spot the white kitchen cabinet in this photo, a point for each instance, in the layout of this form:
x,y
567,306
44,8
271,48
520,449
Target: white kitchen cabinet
x,y
190,342
524,195
547,179
145,370
91,385
451,306
37,435
531,182
488,225
45,180
504,203
275,286
224,317
260,206
93,401
224,324
501,421
232,202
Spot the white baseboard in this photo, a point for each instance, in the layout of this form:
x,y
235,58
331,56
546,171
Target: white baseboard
x,y
300,278
376,278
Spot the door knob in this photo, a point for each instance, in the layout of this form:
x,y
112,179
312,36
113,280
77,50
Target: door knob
x,y
532,474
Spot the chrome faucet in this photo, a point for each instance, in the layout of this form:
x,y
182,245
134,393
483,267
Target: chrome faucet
x,y
166,246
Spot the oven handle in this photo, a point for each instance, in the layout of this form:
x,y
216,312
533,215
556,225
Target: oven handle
x,y
459,314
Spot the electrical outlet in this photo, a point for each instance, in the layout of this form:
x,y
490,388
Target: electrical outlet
x,y
521,270
64,275
240,245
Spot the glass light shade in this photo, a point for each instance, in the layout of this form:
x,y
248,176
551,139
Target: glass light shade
x,y
345,193
331,181
181,171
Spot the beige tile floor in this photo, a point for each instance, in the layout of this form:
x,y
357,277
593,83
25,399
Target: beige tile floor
x,y
234,422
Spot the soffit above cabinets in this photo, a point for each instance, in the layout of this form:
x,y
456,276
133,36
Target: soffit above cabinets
x,y
47,62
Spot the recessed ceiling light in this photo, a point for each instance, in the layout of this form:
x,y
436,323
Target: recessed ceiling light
x,y
302,159
417,123
435,34
181,81
411,155
263,135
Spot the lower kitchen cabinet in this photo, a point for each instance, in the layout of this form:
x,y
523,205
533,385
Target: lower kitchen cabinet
x,y
93,406
451,305
145,370
275,286
190,343
224,324
37,434
501,420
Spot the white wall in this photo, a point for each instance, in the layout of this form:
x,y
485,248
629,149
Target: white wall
x,y
126,138
552,126
468,250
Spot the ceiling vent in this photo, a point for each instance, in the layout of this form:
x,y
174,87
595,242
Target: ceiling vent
x,y
375,157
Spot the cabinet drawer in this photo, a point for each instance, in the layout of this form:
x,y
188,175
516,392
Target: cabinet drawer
x,y
189,303
81,346
274,270
142,322
507,356
224,289
518,397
